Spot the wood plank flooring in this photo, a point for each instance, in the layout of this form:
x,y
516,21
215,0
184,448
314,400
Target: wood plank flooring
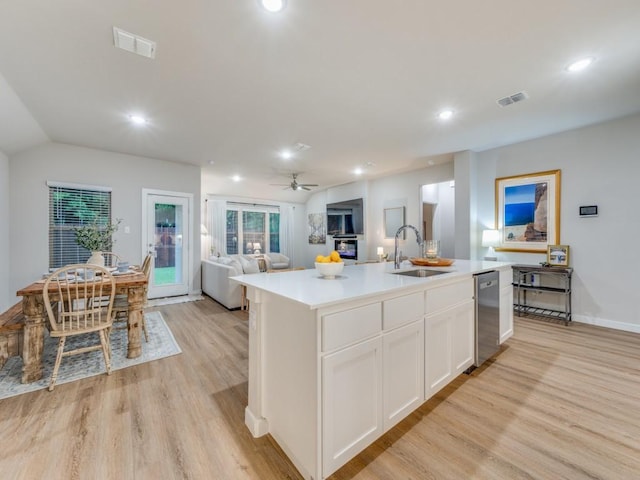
x,y
556,403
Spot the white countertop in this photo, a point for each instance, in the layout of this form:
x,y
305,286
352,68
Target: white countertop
x,y
356,281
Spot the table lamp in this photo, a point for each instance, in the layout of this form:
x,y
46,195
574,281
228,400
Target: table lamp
x,y
491,238
257,247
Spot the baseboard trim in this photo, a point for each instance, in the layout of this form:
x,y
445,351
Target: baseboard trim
x,y
603,322
258,426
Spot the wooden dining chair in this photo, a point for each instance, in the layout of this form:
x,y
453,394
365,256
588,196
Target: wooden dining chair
x,y
111,259
121,305
69,295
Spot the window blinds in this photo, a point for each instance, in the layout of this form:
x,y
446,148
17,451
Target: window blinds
x,y
71,206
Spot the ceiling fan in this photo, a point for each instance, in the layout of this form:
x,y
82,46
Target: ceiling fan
x,y
294,185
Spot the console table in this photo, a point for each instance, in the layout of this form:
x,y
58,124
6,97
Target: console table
x,y
530,280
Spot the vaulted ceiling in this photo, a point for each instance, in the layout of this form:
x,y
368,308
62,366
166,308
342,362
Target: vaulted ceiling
x,y
359,81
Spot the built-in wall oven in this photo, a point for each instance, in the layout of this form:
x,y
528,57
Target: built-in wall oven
x,y
346,246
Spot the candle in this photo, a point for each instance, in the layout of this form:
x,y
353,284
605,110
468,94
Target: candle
x,y
380,251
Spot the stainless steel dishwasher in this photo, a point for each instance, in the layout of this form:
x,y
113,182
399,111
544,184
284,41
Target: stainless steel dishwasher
x,y
487,296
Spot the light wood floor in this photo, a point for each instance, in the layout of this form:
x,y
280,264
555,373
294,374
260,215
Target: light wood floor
x,y
557,403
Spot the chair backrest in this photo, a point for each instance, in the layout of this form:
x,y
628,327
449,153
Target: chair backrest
x,y
146,265
111,259
74,297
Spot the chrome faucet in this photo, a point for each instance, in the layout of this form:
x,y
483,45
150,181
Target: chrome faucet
x,y
396,257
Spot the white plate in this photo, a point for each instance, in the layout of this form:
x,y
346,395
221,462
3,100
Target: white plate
x,y
128,272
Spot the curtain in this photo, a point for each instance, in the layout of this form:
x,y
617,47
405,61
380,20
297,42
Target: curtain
x,y
287,245
217,211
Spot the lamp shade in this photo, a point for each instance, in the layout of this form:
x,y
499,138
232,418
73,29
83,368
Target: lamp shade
x,y
257,247
490,238
380,251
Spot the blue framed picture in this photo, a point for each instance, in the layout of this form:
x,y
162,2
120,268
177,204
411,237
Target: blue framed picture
x,y
528,211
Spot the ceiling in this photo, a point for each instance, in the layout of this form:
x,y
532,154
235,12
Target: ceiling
x,y
360,81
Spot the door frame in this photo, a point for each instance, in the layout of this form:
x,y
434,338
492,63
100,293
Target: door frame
x,y
189,217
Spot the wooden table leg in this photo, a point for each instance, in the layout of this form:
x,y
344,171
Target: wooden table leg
x,y
135,298
33,338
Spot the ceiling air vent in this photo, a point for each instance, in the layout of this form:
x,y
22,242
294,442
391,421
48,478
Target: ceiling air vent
x,y
511,99
133,43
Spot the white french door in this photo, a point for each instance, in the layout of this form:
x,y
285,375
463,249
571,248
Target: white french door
x,y
167,220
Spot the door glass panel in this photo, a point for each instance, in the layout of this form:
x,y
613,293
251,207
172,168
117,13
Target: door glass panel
x,y
168,242
253,227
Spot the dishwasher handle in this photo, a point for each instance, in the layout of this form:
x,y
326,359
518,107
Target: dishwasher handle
x,y
488,284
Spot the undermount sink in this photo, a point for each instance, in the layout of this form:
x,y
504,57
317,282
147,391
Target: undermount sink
x,y
420,272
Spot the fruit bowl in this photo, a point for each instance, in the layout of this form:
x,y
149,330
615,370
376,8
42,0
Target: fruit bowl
x,y
330,270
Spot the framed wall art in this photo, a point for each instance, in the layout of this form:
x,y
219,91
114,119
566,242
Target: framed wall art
x,y
317,230
558,255
528,211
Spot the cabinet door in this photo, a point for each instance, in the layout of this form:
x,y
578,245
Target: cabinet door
x,y
403,372
449,345
437,352
351,402
506,313
462,337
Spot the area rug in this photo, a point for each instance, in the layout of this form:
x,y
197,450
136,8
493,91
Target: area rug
x,y
161,344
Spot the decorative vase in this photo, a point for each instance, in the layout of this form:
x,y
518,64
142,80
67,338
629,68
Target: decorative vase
x,y
96,258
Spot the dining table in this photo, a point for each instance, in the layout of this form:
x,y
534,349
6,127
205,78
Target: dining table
x,y
132,283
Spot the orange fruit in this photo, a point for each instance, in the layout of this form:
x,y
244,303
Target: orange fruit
x,y
319,259
335,256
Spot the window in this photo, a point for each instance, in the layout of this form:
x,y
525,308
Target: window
x,y
252,229
71,206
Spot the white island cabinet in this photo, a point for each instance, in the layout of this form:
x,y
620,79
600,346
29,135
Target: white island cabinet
x,y
334,363
449,333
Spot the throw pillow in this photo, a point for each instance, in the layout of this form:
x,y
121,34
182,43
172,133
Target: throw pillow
x,y
250,266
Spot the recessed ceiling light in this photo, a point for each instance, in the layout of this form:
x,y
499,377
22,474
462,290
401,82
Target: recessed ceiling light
x,y
445,114
137,119
273,6
357,171
211,162
236,178
580,64
286,154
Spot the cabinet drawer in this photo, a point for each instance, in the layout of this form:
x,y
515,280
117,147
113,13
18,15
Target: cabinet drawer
x,y
344,328
402,310
448,295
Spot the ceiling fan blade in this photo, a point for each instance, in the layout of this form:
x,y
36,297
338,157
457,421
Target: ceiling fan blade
x,y
308,184
303,187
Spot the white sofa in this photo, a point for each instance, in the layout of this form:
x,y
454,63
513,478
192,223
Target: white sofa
x,y
217,270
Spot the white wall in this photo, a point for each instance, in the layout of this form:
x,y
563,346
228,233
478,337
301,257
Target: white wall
x,y
7,298
600,166
126,174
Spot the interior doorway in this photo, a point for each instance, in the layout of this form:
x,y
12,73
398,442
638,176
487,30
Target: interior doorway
x,y
428,211
437,215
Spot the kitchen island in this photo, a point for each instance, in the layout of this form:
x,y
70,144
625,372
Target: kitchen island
x,y
335,363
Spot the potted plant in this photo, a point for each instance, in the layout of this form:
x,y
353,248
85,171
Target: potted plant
x,y
96,238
